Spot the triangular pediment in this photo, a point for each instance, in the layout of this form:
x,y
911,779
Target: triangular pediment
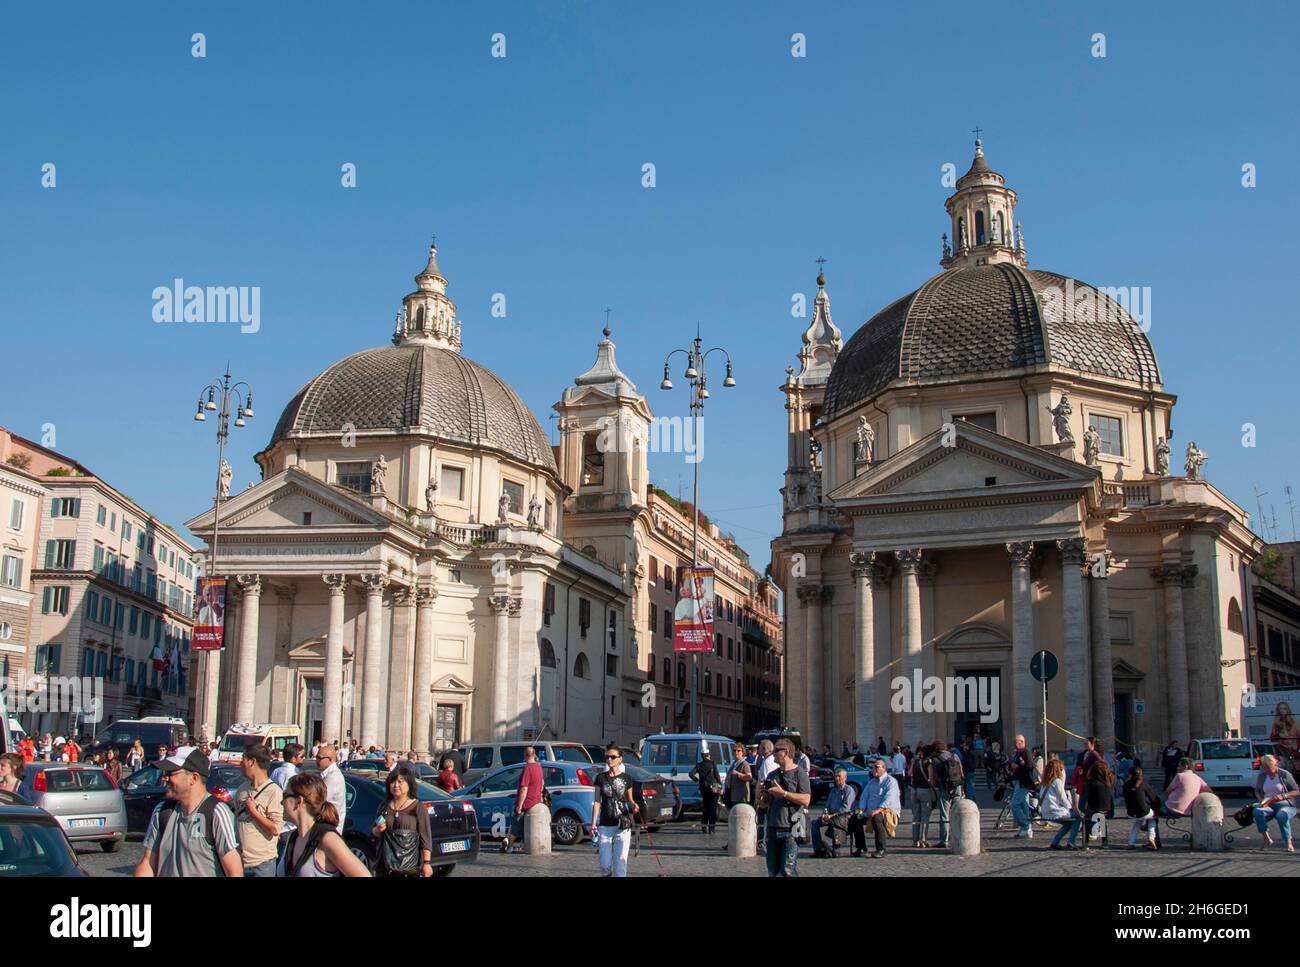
x,y
311,649
965,460
450,683
281,501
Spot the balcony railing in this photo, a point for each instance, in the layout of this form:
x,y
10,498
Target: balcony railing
x,y
1134,494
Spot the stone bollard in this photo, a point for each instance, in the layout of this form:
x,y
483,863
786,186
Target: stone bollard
x,y
742,831
1207,823
537,830
964,831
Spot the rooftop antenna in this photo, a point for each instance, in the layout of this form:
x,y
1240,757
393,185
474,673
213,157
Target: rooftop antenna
x,y
1290,502
554,417
1263,521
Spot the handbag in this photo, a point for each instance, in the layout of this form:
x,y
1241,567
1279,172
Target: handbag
x,y
399,850
1000,792
1245,815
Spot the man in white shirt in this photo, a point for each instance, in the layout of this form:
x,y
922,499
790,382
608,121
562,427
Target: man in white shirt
x,y
336,789
898,769
293,756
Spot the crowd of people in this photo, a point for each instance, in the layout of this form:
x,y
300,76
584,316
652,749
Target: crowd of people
x,y
192,833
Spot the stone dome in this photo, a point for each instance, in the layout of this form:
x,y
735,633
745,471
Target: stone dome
x,y
417,389
987,320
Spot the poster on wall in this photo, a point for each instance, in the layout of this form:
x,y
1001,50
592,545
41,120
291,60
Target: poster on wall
x,y
209,614
693,618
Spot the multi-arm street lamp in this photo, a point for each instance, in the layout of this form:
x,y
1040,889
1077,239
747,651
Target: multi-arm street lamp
x,y
220,394
694,374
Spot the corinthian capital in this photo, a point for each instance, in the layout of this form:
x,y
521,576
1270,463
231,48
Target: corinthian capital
x,y
250,583
337,583
864,564
499,603
909,560
1022,553
375,583
426,594
1072,550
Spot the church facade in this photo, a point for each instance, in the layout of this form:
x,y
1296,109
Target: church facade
x,y
399,575
985,470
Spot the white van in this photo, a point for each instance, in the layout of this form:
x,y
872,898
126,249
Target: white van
x,y
1225,763
241,736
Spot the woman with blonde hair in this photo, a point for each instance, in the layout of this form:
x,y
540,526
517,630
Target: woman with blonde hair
x,y
1054,804
315,848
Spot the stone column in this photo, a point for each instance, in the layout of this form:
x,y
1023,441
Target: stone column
x,y
832,687
422,719
332,725
864,646
882,581
1103,681
811,597
397,729
909,563
370,697
1027,691
284,706
1076,665
1177,682
500,605
246,683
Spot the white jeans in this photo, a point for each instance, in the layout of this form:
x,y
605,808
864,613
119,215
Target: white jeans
x,y
1141,821
614,844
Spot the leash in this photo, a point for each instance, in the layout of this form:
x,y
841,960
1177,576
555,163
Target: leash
x,y
653,851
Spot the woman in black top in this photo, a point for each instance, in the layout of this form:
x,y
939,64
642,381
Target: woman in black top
x,y
402,833
1097,798
1143,806
706,774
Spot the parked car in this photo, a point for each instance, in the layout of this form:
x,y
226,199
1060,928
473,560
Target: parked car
x,y
84,799
422,770
33,843
452,821
674,755
823,776
1225,763
570,786
482,757
150,732
144,790
656,796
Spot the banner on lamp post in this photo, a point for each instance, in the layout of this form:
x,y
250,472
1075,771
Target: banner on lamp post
x,y
693,618
209,614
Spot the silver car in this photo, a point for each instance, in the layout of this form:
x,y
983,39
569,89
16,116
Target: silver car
x,y
84,800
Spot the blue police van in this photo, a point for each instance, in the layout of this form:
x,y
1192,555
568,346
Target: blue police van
x,y
674,754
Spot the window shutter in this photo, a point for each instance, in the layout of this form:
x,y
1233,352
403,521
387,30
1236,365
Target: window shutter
x,y
45,600
49,553
72,555
76,506
55,651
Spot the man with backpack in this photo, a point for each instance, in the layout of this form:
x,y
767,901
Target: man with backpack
x,y
190,832
948,780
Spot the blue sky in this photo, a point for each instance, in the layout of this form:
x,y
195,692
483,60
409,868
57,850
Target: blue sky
x,y
226,171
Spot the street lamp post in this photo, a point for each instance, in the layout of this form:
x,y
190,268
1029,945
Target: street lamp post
x,y
219,396
694,374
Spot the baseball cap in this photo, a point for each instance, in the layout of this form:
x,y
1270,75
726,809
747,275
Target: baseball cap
x,y
186,757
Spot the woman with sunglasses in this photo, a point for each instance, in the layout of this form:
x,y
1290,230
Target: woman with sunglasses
x,y
612,812
315,848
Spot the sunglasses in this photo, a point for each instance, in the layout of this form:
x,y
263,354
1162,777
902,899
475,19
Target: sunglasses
x,y
291,795
613,757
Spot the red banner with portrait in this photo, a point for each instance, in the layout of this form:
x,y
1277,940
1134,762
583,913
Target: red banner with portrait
x,y
209,615
693,618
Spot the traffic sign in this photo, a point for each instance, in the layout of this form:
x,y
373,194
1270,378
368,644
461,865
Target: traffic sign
x,y
1043,666
1139,706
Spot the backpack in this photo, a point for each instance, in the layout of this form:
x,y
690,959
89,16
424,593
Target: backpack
x,y
317,834
208,810
949,772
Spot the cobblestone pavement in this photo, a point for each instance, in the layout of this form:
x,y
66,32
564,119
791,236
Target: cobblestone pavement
x,y
681,850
